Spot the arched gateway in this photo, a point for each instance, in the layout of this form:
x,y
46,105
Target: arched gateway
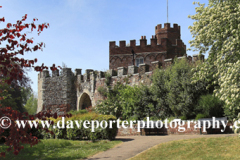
x,y
84,101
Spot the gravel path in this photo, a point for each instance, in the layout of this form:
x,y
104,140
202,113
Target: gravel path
x,y
133,145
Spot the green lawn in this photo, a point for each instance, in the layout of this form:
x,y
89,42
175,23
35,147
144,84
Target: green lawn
x,y
52,149
197,149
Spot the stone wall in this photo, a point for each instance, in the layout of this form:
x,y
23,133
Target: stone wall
x,y
57,92
67,90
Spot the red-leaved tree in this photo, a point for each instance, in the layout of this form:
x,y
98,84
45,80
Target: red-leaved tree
x,y
14,42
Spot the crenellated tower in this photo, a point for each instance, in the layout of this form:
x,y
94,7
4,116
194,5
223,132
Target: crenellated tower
x,y
165,44
172,34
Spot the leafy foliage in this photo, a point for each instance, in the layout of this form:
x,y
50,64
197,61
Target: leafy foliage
x,y
107,78
31,105
12,68
125,102
128,100
210,106
183,118
172,94
216,31
137,102
200,116
102,90
75,112
18,136
16,94
159,91
173,90
111,105
75,132
180,91
145,105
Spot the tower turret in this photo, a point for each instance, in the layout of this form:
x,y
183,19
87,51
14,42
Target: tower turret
x,y
167,32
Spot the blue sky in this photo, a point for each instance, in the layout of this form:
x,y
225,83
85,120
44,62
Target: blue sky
x,y
80,30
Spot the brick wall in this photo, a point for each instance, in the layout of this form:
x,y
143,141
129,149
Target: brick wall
x,y
172,131
165,44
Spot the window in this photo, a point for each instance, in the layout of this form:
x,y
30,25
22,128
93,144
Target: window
x,y
139,61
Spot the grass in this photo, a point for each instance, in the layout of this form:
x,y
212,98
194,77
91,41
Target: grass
x,y
60,149
194,149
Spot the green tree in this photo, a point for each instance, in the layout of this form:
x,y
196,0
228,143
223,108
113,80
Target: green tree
x,y
180,90
159,91
137,102
128,100
210,106
174,91
15,94
216,31
146,106
15,42
31,105
111,105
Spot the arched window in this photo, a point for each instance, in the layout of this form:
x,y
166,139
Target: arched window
x,y
139,61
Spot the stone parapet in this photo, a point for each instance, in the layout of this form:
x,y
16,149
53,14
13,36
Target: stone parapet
x,y
44,74
156,64
132,70
78,72
86,76
181,57
101,74
122,71
143,68
55,73
168,62
112,72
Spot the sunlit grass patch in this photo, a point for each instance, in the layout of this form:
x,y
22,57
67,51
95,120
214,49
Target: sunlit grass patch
x,y
197,149
60,149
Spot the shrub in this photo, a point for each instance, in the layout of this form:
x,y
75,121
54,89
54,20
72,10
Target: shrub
x,y
200,116
102,90
210,106
174,91
75,112
125,101
111,105
72,131
107,78
183,118
169,119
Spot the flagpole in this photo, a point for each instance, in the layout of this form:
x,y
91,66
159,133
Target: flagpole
x,y
167,11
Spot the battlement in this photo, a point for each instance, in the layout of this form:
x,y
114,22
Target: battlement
x,y
131,70
163,36
143,43
167,27
172,34
120,71
66,72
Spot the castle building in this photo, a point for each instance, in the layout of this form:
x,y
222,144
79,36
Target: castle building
x,y
165,44
73,91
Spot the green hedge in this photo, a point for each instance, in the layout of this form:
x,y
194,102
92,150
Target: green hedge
x,y
81,132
